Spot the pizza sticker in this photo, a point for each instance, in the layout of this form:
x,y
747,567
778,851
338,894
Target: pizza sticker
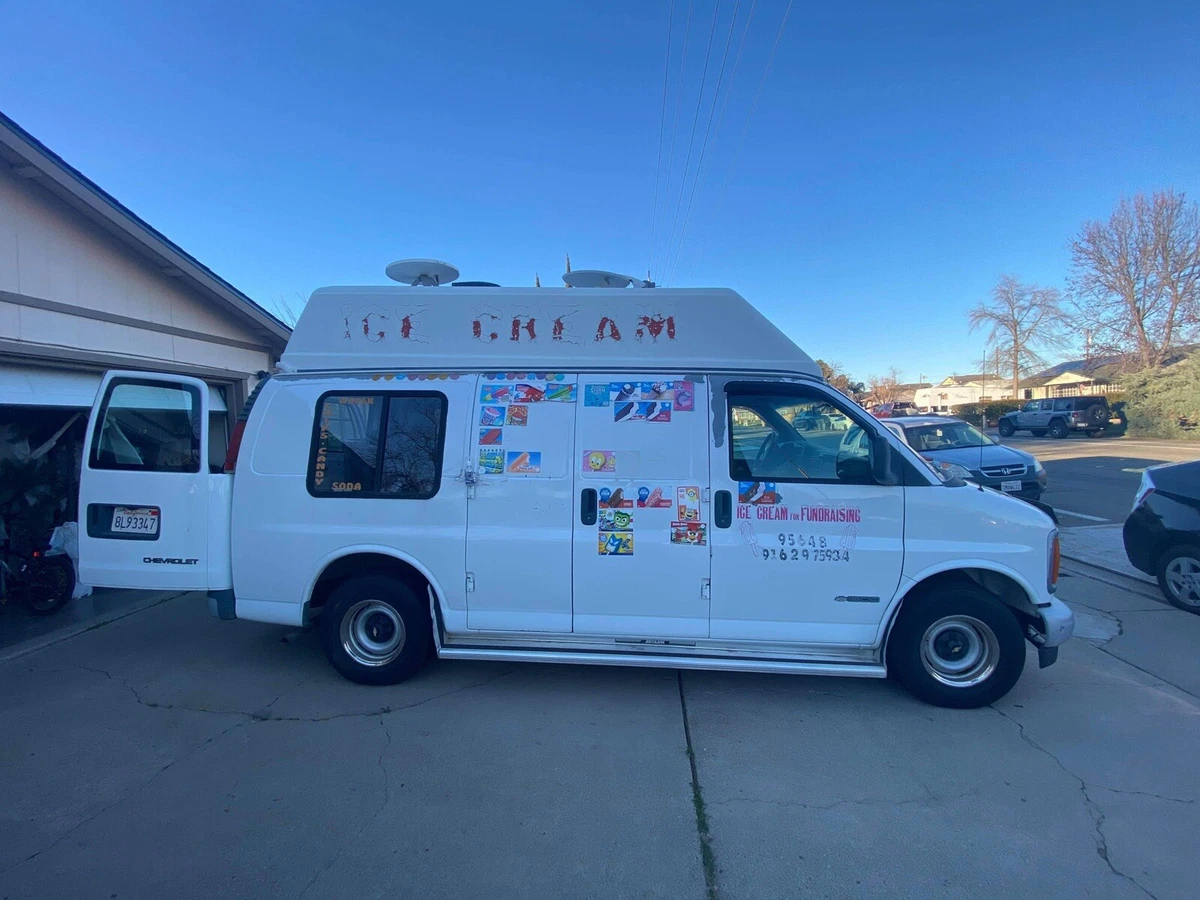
x,y
517,415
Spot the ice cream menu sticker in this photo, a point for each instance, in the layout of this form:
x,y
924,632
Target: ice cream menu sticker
x,y
687,503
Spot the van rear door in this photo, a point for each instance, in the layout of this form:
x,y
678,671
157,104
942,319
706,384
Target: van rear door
x,y
152,514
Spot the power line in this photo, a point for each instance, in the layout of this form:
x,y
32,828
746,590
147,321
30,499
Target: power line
x,y
687,216
695,121
662,125
662,223
737,60
746,127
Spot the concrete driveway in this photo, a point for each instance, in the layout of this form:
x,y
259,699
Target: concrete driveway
x,y
171,755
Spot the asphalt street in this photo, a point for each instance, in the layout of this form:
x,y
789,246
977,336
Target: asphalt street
x,y
168,754
1093,481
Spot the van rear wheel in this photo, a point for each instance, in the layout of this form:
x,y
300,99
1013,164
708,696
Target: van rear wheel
x,y
375,629
956,646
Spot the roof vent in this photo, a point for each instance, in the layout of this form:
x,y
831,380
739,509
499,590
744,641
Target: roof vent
x,y
474,284
421,272
585,278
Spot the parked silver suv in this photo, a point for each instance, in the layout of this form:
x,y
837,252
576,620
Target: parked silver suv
x,y
1059,417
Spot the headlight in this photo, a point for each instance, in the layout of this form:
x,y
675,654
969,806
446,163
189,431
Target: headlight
x,y
950,470
1037,466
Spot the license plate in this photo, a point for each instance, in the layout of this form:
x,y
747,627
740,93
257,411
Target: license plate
x,y
135,520
1010,485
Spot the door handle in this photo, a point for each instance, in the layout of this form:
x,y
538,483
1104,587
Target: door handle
x,y
588,505
723,509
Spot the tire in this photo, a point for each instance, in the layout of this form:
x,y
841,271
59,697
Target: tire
x,y
375,629
1179,576
1006,428
1095,432
1058,429
935,626
1096,415
51,583
1038,432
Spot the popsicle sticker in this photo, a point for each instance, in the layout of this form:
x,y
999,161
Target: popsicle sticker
x,y
620,392
656,411
495,393
490,436
687,502
599,461
614,499
491,462
750,537
528,393
523,462
652,498
561,393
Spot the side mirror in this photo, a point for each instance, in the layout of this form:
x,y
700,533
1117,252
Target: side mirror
x,y
881,461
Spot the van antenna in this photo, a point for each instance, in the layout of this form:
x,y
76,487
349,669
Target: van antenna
x,y
598,278
421,272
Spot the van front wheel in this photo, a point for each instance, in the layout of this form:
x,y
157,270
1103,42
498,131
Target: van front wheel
x,y
375,630
956,646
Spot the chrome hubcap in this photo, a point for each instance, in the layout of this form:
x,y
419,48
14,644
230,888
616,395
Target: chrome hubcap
x,y
372,633
960,651
1183,580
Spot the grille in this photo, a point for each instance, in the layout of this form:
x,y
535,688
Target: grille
x,y
1003,471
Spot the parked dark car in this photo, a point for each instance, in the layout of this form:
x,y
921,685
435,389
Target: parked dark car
x,y
1162,534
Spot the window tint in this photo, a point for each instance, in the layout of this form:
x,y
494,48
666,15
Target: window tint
x,y
148,427
1031,406
795,436
356,453
1061,405
1046,405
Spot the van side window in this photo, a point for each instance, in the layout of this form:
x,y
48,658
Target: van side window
x,y
148,427
378,445
795,436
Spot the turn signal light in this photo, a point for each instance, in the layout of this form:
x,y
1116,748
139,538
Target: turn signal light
x,y
1053,563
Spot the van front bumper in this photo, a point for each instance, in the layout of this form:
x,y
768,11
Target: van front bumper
x,y
1058,623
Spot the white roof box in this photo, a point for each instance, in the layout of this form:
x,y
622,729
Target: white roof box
x,y
401,329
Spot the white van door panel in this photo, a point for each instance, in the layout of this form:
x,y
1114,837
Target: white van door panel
x,y
641,554
520,446
814,549
146,496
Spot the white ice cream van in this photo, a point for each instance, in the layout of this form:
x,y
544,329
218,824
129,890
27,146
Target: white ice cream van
x,y
613,476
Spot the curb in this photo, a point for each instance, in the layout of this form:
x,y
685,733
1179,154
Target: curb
x,y
1139,578
35,644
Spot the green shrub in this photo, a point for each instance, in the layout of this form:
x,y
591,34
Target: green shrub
x,y
1156,400
993,408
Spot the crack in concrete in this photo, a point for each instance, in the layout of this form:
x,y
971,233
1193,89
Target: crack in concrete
x,y
260,714
126,796
387,798
1094,811
928,798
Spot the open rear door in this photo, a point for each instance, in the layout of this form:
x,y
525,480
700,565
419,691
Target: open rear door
x,y
151,513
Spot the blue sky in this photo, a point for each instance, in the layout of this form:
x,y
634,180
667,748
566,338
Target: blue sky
x,y
900,158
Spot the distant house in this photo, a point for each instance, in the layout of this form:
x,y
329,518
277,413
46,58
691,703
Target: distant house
x,y
955,390
1074,378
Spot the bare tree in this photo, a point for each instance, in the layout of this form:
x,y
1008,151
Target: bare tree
x,y
885,388
838,379
287,312
1021,319
1136,277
